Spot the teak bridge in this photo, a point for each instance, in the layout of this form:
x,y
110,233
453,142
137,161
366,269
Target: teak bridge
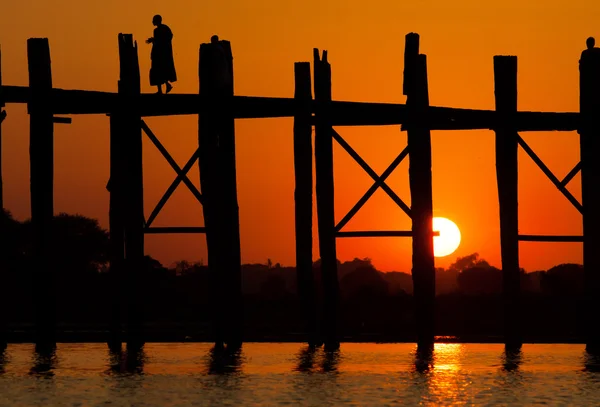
x,y
217,108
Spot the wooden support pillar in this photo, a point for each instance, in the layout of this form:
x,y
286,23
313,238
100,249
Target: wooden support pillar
x,y
303,196
419,146
505,84
216,137
589,131
3,235
116,221
325,200
41,153
128,120
2,116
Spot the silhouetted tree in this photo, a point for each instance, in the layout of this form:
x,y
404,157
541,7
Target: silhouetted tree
x,y
564,279
467,262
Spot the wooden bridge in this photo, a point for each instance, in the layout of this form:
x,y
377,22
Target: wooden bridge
x,y
217,108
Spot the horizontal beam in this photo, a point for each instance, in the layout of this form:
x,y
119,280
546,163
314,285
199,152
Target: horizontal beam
x,y
174,229
379,233
341,113
549,238
62,120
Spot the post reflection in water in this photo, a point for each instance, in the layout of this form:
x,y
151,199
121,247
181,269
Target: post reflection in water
x,y
224,361
130,361
44,361
591,362
328,361
3,360
424,358
512,360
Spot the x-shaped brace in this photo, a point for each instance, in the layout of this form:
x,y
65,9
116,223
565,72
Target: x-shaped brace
x,y
379,181
181,174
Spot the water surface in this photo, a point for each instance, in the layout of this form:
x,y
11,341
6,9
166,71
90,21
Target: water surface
x,y
289,374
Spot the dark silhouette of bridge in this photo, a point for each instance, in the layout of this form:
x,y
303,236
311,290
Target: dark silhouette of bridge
x,y
217,108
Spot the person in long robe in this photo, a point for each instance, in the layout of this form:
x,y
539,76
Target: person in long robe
x,y
162,70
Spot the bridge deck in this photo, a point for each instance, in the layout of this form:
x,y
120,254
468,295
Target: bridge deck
x,y
341,113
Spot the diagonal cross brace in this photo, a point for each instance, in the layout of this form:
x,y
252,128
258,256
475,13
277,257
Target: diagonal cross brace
x,y
181,174
571,174
549,174
379,182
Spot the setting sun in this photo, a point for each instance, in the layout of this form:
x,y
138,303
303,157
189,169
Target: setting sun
x,y
449,238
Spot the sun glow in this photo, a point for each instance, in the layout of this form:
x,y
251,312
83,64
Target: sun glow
x,y
449,238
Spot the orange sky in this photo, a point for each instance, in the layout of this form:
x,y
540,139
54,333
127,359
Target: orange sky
x,y
365,41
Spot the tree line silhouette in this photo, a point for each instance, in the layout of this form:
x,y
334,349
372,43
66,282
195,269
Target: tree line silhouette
x,y
374,305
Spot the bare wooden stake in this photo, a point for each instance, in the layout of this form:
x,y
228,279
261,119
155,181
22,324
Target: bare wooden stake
x,y
505,84
589,66
219,189
419,147
41,152
325,199
303,196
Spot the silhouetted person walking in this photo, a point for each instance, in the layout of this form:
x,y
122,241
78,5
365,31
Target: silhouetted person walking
x,y
162,70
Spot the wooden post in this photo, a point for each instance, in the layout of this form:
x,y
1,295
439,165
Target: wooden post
x,y
590,179
133,188
219,186
325,200
2,115
3,304
208,141
303,197
116,223
505,84
41,153
419,145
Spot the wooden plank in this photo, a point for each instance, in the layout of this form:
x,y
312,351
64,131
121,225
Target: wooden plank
x,y
174,229
376,233
549,238
62,120
589,66
420,179
303,199
41,153
342,113
325,200
505,85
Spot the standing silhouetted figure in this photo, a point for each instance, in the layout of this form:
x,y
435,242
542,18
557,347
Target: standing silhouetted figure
x,y
591,49
162,70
